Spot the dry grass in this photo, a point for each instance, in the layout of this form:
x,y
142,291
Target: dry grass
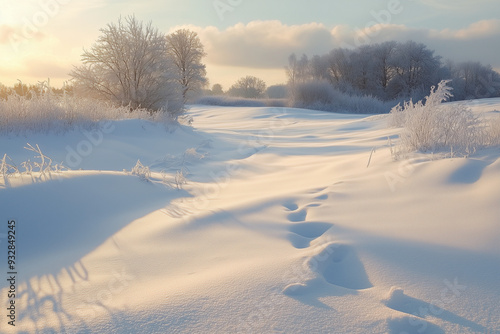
x,y
50,113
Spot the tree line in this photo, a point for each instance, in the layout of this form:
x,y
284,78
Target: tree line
x,y
392,71
249,87
388,72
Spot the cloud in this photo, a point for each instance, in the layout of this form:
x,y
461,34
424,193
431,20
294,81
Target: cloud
x,y
477,42
267,44
263,44
37,68
5,32
479,30
10,34
456,5
45,68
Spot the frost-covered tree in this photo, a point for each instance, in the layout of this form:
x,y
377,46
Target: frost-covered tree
x,y
416,69
291,70
187,52
363,69
472,80
298,70
303,69
128,65
319,68
383,69
340,66
248,87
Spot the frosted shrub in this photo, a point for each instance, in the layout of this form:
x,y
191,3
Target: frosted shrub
x,y
398,114
143,172
7,169
40,169
434,125
180,179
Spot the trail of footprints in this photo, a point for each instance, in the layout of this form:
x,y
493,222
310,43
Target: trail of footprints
x,y
337,264
334,262
303,232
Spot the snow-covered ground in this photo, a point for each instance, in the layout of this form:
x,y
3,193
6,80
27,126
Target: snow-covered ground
x,y
291,221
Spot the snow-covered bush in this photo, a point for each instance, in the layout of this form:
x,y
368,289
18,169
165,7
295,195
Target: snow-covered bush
x,y
143,172
435,125
180,178
321,95
7,169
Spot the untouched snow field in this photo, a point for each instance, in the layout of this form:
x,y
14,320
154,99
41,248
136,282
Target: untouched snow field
x,y
291,221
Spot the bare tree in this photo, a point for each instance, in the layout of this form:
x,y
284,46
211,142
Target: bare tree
x,y
248,87
128,66
187,52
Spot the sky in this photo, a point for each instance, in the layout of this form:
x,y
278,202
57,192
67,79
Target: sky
x,y
42,39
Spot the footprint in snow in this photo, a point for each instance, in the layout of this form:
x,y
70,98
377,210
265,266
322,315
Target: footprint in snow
x,y
298,216
322,197
311,230
290,206
301,234
339,265
336,264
